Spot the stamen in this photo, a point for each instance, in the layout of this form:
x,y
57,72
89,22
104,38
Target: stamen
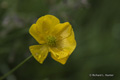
x,y
51,41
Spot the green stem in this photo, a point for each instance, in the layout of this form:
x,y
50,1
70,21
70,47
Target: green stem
x,y
5,75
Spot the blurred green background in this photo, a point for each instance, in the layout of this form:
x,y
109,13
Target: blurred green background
x,y
96,24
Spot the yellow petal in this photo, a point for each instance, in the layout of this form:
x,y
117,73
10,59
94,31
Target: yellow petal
x,y
63,49
59,52
40,38
69,43
39,52
47,23
62,60
62,30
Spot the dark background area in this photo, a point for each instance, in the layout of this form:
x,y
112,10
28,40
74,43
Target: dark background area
x,y
96,24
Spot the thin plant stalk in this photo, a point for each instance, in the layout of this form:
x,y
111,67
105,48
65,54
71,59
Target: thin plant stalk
x,y
11,71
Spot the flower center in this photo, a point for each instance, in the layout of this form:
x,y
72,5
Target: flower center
x,y
51,41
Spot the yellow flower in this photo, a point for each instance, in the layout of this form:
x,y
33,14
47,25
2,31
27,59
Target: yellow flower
x,y
54,37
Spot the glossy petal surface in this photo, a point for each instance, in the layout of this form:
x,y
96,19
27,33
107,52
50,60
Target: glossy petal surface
x,y
39,52
40,38
63,49
62,60
62,30
47,23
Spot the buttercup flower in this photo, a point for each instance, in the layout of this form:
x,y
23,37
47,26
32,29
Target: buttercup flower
x,y
54,37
